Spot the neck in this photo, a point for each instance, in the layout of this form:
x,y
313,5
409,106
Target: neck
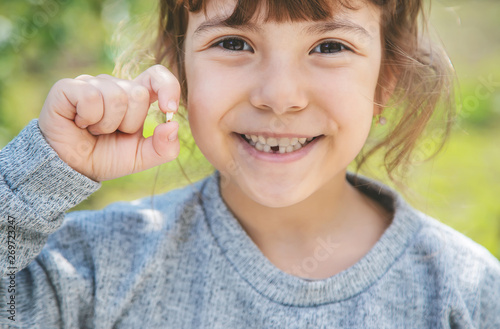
x,y
328,210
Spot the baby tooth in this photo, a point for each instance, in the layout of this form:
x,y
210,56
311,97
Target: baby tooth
x,y
254,138
309,139
302,140
252,143
262,140
284,141
297,146
170,116
282,149
294,141
259,146
247,136
267,148
289,148
271,141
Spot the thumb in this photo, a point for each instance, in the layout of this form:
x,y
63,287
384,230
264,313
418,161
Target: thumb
x,y
160,148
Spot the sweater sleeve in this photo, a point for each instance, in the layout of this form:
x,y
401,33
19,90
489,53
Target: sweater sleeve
x,y
488,306
36,188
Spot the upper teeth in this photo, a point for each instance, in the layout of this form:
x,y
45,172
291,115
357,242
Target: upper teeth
x,y
285,144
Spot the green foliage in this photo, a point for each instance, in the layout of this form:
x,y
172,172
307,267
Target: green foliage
x,y
461,186
42,41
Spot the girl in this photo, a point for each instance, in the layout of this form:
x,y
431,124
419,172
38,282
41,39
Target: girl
x,y
280,98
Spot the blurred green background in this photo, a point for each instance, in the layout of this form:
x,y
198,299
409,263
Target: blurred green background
x,y
42,41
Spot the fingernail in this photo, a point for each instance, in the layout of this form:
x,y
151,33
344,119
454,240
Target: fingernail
x,y
173,135
84,126
172,105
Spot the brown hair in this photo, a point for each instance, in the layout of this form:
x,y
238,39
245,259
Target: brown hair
x,y
421,69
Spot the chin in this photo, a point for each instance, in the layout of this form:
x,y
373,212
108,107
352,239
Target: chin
x,y
275,196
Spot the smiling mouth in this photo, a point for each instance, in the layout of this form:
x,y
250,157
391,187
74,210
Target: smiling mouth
x,y
277,145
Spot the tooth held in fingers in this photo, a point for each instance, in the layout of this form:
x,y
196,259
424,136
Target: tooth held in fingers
x,y
170,116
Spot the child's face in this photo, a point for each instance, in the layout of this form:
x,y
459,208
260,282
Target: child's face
x,y
280,79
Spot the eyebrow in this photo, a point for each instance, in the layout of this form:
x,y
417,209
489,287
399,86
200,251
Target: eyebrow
x,y
218,23
316,28
338,24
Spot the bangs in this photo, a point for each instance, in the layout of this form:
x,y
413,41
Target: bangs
x,y
276,10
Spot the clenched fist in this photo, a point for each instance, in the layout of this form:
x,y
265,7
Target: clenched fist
x,y
95,124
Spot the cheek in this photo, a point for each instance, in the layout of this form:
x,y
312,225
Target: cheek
x,y
348,95
202,96
203,125
210,96
213,91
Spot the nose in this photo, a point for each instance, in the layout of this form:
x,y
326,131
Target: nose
x,y
279,87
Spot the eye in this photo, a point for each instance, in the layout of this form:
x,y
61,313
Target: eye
x,y
233,44
330,47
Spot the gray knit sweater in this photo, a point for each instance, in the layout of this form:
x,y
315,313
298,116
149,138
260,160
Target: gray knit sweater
x,y
187,263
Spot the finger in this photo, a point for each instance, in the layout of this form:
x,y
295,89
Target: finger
x,y
138,104
162,147
84,77
115,105
162,86
87,105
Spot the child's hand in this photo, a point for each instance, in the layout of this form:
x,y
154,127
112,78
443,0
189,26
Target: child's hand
x,y
95,123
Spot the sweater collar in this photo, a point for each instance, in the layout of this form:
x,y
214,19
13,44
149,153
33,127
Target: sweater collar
x,y
279,286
